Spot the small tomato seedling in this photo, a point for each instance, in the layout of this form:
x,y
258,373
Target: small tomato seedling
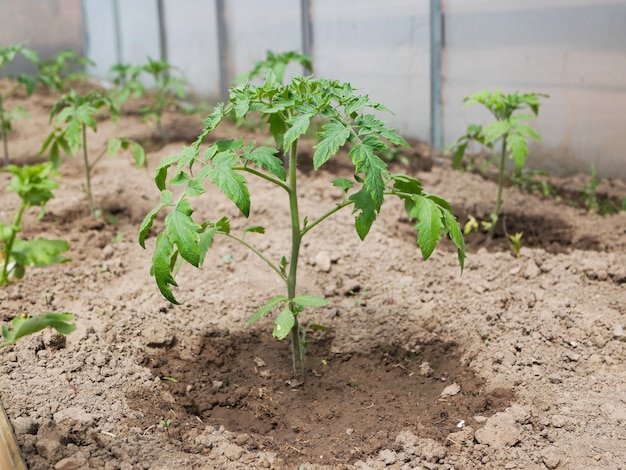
x,y
61,71
510,129
34,185
290,110
72,115
168,87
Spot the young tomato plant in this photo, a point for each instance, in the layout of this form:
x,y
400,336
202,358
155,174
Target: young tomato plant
x,y
167,88
289,110
72,115
7,116
510,129
61,71
34,185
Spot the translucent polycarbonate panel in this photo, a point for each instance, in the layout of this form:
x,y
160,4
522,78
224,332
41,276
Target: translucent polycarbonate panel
x,y
575,51
139,27
48,26
100,37
382,47
192,43
253,27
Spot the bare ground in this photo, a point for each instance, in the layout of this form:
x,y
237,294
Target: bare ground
x,y
529,350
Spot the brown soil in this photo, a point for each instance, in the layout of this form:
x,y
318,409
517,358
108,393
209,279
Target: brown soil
x,y
529,350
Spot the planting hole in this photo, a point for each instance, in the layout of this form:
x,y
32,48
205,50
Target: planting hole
x,y
352,405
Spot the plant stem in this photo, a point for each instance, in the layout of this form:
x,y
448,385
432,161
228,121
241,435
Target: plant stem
x,y
4,275
296,237
88,173
259,254
501,176
5,144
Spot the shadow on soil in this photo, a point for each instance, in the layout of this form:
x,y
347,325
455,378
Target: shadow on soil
x,y
351,406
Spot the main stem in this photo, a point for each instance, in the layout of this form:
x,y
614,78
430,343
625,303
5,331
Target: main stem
x,y
296,237
5,144
4,275
88,173
501,176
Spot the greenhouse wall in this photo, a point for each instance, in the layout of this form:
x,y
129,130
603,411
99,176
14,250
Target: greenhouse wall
x,y
572,50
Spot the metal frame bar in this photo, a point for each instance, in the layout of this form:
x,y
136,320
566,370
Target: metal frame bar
x,y
307,30
436,74
222,44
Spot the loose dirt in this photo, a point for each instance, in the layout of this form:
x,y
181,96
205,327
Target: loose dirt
x,y
515,363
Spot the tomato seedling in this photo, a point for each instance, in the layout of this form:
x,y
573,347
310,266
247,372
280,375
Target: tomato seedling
x,y
60,72
34,185
7,116
168,87
510,129
289,110
72,115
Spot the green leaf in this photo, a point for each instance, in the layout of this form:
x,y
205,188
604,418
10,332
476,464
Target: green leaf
x,y
284,323
114,146
205,242
146,225
297,126
334,136
265,157
162,266
24,326
429,224
308,300
265,309
194,188
454,231
343,183
254,229
364,203
39,252
184,232
231,183
139,155
365,161
518,148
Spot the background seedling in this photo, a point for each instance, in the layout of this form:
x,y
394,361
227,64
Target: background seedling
x,y
7,116
72,115
168,87
509,129
289,110
34,185
63,70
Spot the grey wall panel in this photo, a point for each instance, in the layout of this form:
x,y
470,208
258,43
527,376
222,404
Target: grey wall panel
x,y
100,38
139,26
382,47
573,50
253,28
192,43
48,26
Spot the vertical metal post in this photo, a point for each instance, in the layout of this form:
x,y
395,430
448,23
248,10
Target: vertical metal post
x,y
436,76
222,44
83,32
162,30
307,35
118,31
